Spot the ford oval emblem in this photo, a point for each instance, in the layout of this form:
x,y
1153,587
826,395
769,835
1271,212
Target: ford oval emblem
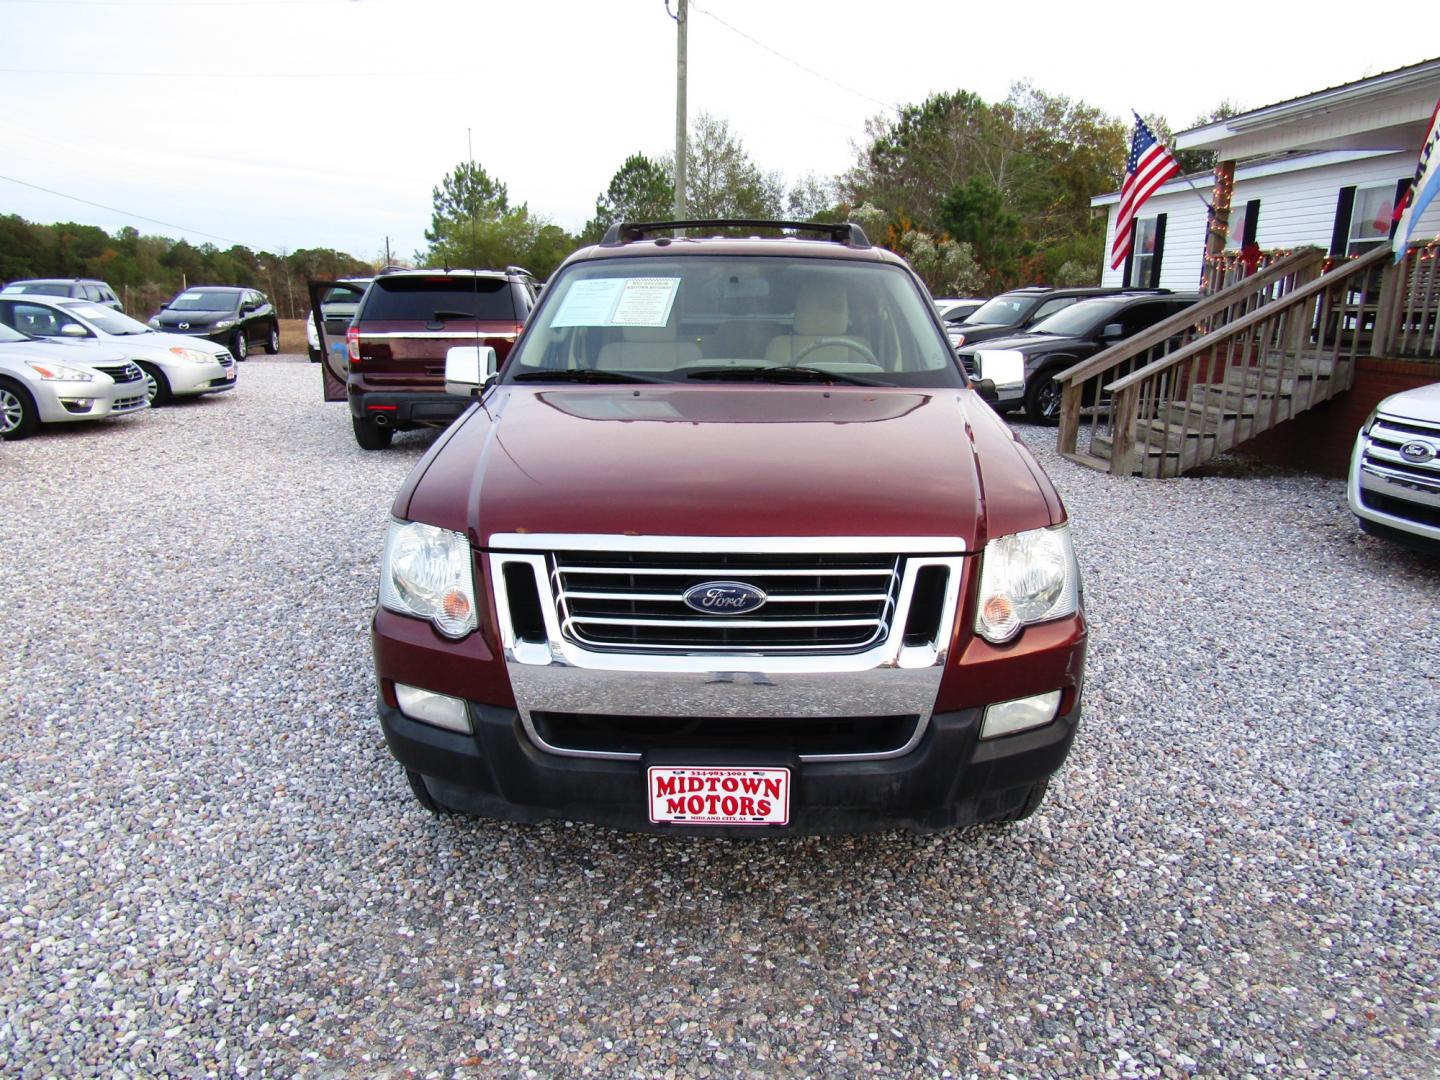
x,y
724,598
1417,452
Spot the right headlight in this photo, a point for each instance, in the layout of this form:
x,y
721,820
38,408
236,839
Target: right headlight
x,y
59,372
1025,578
428,572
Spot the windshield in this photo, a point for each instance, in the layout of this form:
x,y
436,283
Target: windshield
x,y
440,298
205,300
107,319
1007,309
1079,319
7,334
734,318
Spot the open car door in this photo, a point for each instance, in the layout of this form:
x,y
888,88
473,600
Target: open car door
x,y
332,305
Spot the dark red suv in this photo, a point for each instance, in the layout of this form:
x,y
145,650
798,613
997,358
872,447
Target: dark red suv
x,y
405,324
729,545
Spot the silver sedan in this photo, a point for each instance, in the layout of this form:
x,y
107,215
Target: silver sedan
x,y
49,383
174,365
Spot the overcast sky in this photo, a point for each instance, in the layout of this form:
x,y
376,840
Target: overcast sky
x,y
326,123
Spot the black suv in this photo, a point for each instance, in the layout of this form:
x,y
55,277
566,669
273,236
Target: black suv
x,y
226,314
406,322
1023,367
76,288
1016,311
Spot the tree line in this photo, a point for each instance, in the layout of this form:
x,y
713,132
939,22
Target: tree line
x,y
145,271
979,197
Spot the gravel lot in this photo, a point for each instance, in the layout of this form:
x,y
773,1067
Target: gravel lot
x,y
211,865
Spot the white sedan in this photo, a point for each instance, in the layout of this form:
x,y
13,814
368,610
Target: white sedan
x,y
42,382
174,365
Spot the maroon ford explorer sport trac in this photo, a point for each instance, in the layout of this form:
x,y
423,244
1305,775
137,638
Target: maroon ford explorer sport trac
x,y
729,546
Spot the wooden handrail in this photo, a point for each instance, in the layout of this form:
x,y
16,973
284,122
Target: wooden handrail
x,y
1210,305
1254,318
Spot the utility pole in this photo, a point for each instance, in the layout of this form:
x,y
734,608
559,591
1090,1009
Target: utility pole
x,y
387,251
681,21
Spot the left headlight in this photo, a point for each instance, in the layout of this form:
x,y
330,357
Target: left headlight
x,y
1025,578
59,372
195,356
428,572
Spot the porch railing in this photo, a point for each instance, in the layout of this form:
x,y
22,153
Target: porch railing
x,y
1247,376
1083,387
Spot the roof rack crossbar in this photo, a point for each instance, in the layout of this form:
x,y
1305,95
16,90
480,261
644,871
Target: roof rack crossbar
x,y
845,232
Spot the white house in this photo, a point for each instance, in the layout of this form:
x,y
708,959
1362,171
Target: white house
x,y
1322,170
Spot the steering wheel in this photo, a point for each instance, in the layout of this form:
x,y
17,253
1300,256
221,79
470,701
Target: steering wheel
x,y
853,344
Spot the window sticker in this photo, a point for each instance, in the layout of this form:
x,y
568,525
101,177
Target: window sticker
x,y
618,302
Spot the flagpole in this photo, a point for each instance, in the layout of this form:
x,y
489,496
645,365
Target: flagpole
x,y
1183,176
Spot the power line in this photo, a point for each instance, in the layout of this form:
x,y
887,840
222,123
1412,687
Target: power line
x,y
890,106
196,4
226,74
126,213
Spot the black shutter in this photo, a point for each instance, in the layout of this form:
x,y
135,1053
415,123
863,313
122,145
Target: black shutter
x,y
1402,187
1252,223
1129,264
1154,281
1344,207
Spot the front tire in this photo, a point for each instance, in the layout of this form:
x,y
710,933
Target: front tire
x,y
370,435
240,347
157,387
19,418
1042,398
272,343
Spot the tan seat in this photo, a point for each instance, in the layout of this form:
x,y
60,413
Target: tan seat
x,y
821,314
647,348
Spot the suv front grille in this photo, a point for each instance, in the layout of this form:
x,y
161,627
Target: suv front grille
x,y
635,602
1382,454
849,735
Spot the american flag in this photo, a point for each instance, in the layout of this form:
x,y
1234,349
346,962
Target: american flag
x,y
1149,166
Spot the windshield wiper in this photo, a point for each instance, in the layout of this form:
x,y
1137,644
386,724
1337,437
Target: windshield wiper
x,y
585,375
777,373
441,316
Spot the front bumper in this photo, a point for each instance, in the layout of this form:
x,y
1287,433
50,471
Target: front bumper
x,y
949,779
1402,500
187,378
59,402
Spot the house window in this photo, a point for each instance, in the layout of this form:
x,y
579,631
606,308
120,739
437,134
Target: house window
x,y
1149,245
1370,218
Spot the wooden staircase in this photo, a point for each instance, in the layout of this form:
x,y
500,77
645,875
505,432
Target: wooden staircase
x,y
1253,355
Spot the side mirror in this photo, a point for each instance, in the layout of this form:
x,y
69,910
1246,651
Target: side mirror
x,y
1112,331
469,368
247,309
73,329
986,389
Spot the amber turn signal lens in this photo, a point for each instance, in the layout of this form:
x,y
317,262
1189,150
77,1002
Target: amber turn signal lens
x,y
456,605
998,610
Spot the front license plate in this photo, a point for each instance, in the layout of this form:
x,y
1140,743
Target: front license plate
x,y
696,795
229,373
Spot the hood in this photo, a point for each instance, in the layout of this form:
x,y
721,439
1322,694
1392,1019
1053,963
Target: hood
x,y
83,353
722,461
158,341
1422,403
196,319
1033,343
980,331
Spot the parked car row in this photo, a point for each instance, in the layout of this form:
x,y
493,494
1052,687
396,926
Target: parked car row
x,y
64,359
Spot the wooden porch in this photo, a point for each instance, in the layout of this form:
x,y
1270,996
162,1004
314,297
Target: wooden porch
x,y
1263,347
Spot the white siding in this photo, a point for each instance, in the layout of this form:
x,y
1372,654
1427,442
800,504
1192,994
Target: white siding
x,y
1296,208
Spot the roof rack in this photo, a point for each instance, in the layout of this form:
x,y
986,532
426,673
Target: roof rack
x,y
845,232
